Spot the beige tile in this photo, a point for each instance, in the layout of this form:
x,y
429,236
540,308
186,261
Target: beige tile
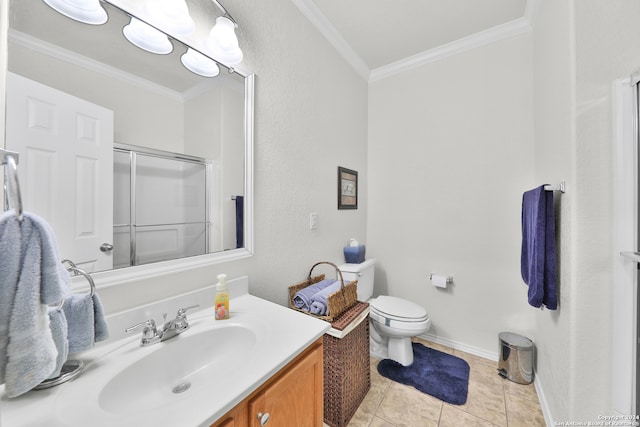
x,y
362,418
522,411
527,391
477,361
405,406
370,403
485,400
379,422
454,417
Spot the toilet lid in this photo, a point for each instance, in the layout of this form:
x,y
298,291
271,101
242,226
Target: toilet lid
x,y
398,309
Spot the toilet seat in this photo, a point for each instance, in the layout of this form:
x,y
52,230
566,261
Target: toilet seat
x,y
398,313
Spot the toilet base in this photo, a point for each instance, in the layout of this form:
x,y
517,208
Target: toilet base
x,y
384,347
400,350
378,344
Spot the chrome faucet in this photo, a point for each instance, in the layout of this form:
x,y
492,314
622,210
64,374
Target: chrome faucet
x,y
151,334
178,325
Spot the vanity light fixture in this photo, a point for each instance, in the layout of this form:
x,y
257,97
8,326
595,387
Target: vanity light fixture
x,y
146,37
197,63
222,42
172,17
86,11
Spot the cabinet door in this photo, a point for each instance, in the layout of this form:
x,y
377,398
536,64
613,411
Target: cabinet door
x,y
294,399
237,417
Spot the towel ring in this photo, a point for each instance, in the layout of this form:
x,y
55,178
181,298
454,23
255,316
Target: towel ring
x,y
68,261
13,185
78,271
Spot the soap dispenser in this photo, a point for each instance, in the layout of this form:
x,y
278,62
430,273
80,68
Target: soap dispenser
x,y
222,298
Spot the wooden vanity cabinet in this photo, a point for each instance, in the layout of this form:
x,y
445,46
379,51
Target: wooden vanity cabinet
x,y
237,417
292,397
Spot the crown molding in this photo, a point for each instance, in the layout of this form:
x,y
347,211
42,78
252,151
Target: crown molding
x,y
491,35
322,24
68,56
500,32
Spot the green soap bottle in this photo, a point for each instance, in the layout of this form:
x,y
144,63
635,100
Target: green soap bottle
x,y
222,298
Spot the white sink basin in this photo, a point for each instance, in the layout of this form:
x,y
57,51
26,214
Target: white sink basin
x,y
179,367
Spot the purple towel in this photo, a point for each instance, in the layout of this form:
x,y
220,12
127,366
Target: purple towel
x,y
319,300
302,298
538,256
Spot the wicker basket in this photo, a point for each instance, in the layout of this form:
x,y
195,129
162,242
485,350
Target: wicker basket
x,y
337,302
347,375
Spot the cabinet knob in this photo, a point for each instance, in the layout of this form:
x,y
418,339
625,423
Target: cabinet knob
x,y
264,418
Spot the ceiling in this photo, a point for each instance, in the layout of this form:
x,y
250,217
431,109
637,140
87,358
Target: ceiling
x,y
374,34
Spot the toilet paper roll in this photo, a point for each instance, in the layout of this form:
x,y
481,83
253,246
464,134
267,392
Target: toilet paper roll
x,y
439,281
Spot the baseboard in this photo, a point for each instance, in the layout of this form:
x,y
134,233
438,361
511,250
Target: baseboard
x,y
544,405
476,351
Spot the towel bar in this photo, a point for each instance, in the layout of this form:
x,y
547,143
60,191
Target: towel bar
x,y
560,187
633,256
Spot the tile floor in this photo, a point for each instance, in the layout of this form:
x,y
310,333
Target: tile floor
x,y
491,401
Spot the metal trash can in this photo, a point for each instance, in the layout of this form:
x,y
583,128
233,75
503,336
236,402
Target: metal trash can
x,y
515,362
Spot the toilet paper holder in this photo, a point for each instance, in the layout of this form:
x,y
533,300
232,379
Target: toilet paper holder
x,y
440,281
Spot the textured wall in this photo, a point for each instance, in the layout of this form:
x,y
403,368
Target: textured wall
x,y
450,153
554,160
580,49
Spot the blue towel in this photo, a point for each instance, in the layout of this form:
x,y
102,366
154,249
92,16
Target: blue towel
x,y
239,222
58,326
101,329
538,256
302,298
85,320
319,300
32,278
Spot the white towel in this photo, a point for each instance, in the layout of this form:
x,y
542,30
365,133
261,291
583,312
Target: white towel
x,y
32,278
58,326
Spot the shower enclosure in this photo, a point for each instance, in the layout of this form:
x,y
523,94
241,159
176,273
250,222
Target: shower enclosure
x,y
161,206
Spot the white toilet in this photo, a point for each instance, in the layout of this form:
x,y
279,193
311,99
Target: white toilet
x,y
394,320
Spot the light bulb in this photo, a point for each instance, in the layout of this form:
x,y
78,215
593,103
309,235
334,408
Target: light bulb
x,y
146,37
172,16
86,11
196,62
222,42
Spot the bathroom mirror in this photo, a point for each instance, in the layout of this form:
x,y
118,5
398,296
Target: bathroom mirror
x,y
152,106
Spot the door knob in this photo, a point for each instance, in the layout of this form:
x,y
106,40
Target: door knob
x,y
106,247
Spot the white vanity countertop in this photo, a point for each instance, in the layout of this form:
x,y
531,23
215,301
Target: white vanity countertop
x,y
282,335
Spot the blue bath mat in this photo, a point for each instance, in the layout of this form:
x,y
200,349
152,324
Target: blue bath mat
x,y
433,372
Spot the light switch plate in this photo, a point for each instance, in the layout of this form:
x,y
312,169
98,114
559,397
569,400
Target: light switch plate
x,y
313,221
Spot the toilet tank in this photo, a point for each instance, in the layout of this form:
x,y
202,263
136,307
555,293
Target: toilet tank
x,y
363,273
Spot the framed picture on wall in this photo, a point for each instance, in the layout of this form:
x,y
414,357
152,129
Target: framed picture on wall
x,y
347,188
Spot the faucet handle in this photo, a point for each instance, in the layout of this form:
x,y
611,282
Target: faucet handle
x,y
149,330
181,312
